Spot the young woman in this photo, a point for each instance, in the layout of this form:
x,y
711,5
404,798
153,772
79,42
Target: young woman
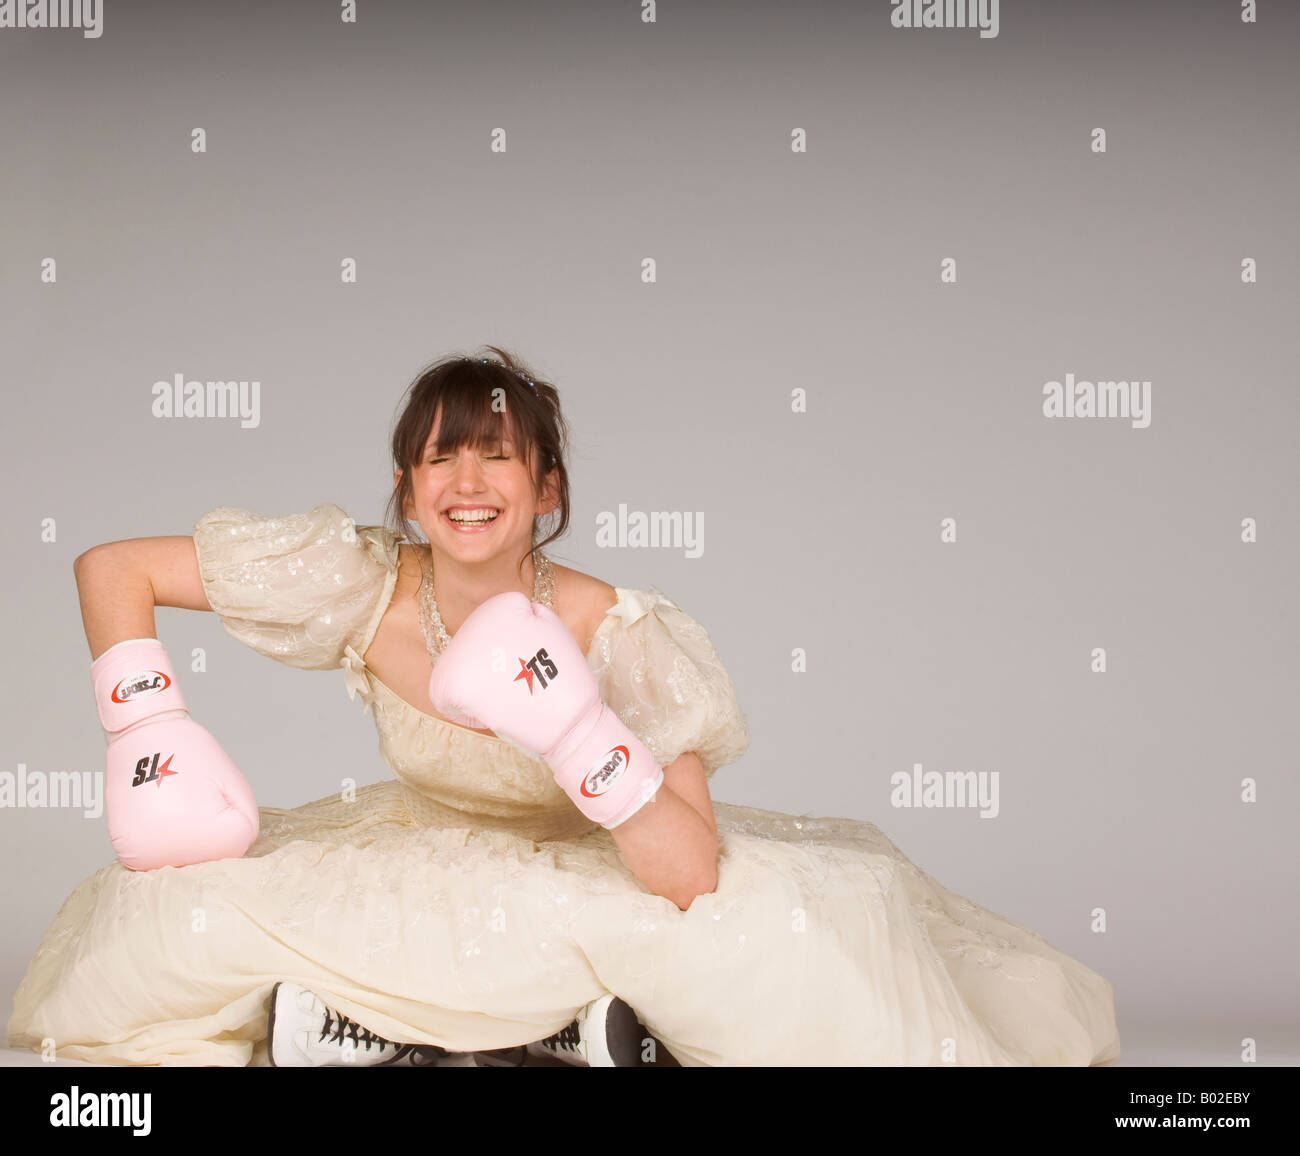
x,y
481,899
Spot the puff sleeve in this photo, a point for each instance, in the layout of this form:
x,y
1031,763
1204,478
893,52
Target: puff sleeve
x,y
305,589
658,671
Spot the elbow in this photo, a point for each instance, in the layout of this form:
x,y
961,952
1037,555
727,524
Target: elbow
x,y
106,557
704,886
84,559
80,562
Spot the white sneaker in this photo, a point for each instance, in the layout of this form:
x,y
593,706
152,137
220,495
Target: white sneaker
x,y
302,1031
606,1034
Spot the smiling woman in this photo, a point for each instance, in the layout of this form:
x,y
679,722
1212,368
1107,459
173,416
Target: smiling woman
x,y
491,468
478,464
472,428
496,889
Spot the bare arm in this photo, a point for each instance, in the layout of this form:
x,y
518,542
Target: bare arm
x,y
120,583
671,844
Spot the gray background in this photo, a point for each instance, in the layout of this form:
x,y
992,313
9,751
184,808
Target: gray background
x,y
775,271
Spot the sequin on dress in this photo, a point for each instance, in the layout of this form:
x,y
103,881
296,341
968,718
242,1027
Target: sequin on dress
x,y
467,903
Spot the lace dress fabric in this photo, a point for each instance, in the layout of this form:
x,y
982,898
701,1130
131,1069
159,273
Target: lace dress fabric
x,y
467,903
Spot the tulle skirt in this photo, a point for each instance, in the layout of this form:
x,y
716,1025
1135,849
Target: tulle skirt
x,y
821,945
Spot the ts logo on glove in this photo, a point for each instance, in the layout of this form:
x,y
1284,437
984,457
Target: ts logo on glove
x,y
147,770
539,666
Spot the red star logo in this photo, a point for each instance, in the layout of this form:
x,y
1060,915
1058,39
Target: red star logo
x,y
524,673
163,772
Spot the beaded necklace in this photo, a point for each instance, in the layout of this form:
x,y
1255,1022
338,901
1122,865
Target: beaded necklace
x,y
435,634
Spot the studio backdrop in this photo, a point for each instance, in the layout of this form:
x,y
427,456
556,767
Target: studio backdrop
x,y
945,373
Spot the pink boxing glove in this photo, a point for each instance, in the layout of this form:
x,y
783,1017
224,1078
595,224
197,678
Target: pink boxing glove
x,y
172,795
514,664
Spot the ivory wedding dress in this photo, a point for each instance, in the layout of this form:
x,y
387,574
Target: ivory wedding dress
x,y
467,903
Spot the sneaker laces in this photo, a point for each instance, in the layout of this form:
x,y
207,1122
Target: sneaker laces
x,y
344,1027
418,1055
566,1038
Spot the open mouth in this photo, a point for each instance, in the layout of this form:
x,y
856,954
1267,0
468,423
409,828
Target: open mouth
x,y
471,521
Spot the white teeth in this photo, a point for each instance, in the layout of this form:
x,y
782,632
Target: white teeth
x,y
473,515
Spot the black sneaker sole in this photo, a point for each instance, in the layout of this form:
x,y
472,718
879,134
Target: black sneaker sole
x,y
626,1037
270,1026
515,1057
624,1034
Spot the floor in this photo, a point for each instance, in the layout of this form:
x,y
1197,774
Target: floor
x,y
1155,1046
12,1058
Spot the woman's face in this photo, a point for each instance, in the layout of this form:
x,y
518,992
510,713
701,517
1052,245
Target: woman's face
x,y
489,490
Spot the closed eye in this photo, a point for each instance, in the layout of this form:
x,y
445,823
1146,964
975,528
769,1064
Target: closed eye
x,y
495,457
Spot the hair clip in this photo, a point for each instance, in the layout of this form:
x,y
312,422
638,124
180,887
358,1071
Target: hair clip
x,y
487,361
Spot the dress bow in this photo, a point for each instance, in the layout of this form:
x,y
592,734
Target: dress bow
x,y
354,677
633,603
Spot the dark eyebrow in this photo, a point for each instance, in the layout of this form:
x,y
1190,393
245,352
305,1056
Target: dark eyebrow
x,y
432,444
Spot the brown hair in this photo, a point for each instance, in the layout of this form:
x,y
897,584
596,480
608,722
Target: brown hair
x,y
465,388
